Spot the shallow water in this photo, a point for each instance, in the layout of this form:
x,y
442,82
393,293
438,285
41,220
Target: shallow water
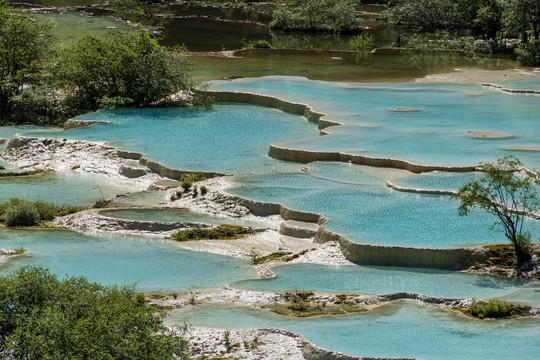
x,y
70,188
180,215
391,66
154,264
394,330
387,280
226,138
437,180
435,134
359,206
70,27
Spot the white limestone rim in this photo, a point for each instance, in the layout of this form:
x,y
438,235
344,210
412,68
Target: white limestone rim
x,y
514,91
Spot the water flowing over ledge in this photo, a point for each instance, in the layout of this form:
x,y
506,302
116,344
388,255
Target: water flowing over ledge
x,y
516,91
305,156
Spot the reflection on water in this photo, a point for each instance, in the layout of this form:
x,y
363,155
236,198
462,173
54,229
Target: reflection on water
x,y
340,66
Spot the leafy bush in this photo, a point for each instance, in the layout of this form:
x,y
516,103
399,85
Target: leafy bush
x,y
47,318
362,43
186,185
23,214
204,190
492,309
317,16
221,232
529,54
19,212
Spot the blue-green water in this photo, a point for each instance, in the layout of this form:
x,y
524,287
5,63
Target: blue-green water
x,y
70,188
180,215
152,263
437,180
387,280
359,206
394,330
227,138
434,135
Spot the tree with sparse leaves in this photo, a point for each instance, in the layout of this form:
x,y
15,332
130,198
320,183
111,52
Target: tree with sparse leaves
x,y
509,191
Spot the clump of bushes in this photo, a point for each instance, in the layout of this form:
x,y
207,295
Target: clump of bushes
x,y
362,43
220,232
19,212
529,53
495,309
317,16
299,300
186,185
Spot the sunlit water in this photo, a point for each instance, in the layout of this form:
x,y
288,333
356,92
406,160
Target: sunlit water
x,y
227,138
435,134
359,206
153,264
61,188
180,215
394,330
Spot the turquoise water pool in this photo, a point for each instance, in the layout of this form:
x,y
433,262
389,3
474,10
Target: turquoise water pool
x,y
154,264
387,280
69,188
436,134
359,206
438,180
180,215
394,330
227,138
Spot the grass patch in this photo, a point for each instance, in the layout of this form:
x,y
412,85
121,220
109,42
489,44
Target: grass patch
x,y
496,309
221,232
257,258
306,304
20,212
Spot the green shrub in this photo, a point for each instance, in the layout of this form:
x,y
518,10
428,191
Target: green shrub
x,y
221,232
44,317
204,190
22,214
529,54
19,212
492,309
363,43
186,185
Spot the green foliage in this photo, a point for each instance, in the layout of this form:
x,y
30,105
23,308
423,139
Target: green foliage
x,y
23,214
363,43
529,54
220,232
317,16
186,185
121,69
507,191
443,40
492,309
193,177
299,300
22,50
43,317
20,212
204,190
259,44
